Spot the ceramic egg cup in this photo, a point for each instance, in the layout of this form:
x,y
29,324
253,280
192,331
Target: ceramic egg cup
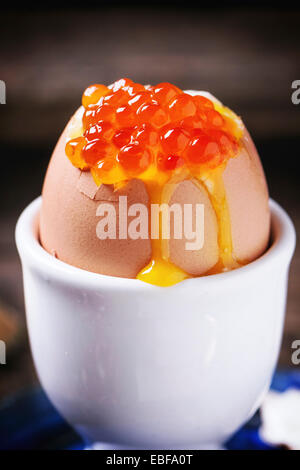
x,y
132,365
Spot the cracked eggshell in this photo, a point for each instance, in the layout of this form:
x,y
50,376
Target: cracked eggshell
x,y
68,220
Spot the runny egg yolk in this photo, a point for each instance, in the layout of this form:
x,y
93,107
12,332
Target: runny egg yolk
x,y
162,136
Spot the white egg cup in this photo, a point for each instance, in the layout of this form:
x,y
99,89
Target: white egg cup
x,y
133,365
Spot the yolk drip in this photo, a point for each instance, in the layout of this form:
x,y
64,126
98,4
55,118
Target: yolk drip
x,y
162,136
160,271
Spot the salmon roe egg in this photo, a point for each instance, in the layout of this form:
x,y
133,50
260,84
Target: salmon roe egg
x,y
123,83
153,113
170,162
202,102
128,127
227,143
127,85
102,129
74,152
93,151
134,158
174,139
202,148
118,98
146,135
125,116
89,117
105,112
122,137
214,118
93,94
182,106
106,171
139,99
164,92
104,166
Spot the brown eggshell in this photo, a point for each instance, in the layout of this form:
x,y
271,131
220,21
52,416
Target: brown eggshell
x,y
68,220
195,261
248,202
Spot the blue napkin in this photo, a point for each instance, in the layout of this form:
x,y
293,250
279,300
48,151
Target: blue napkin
x,y
29,421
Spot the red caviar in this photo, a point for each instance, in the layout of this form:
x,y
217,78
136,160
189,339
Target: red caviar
x,y
134,158
132,126
169,162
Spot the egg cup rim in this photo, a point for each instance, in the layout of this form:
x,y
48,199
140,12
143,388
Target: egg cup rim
x,y
281,248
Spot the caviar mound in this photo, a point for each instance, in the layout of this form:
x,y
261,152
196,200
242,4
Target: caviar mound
x,y
129,129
